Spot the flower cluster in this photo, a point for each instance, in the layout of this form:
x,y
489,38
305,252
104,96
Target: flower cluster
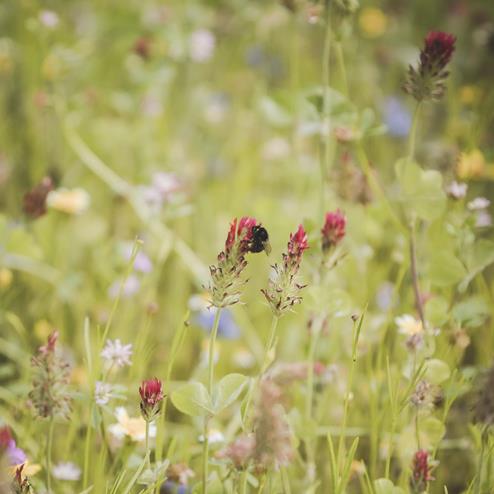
x,y
283,289
49,394
333,230
427,81
421,471
246,235
115,354
151,392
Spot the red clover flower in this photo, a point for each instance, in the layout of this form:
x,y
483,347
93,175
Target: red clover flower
x,y
428,80
244,236
151,392
283,289
333,230
421,471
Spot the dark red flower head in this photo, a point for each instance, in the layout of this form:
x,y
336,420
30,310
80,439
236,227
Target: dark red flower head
x,y
438,50
151,392
333,229
34,201
427,81
421,471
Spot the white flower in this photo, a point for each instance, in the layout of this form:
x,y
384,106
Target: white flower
x,y
276,148
408,325
483,219
70,201
201,45
215,437
49,18
133,427
66,471
457,190
116,354
478,203
103,393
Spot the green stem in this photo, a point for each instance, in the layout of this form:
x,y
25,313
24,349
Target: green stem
x,y
326,152
478,482
310,373
148,452
243,482
86,450
417,430
271,344
212,342
415,277
341,64
49,443
413,132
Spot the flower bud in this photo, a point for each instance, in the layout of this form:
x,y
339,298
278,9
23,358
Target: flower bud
x,y
151,392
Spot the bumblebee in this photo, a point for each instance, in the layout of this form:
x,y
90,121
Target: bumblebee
x,y
260,240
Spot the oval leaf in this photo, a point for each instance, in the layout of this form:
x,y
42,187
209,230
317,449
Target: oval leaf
x,y
228,390
192,399
436,371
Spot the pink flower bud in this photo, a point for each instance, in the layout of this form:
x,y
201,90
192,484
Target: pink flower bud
x,y
333,230
151,392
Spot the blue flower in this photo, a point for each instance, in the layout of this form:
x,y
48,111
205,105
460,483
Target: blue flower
x,y
397,117
227,328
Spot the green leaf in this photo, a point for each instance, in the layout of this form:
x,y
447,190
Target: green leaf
x,y
433,429
421,190
436,371
482,256
228,390
471,312
437,311
193,399
385,486
21,242
445,269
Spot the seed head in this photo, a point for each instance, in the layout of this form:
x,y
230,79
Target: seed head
x,y
49,395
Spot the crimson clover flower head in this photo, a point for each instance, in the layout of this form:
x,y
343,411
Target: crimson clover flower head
x,y
283,289
333,230
296,247
244,236
427,81
151,392
421,471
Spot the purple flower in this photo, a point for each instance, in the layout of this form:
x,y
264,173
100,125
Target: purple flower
x,y
142,262
8,446
131,287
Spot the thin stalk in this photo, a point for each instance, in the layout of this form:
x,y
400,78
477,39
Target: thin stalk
x,y
86,451
341,64
415,278
417,430
310,374
243,482
49,444
270,345
478,482
212,342
413,132
325,155
148,452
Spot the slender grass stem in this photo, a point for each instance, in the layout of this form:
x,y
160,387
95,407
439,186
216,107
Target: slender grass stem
x,y
413,132
49,445
415,278
212,342
478,481
326,144
271,344
341,64
148,451
87,444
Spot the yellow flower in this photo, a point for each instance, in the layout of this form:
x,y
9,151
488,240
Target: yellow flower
x,y
408,325
6,278
132,427
373,22
29,469
471,164
469,94
70,201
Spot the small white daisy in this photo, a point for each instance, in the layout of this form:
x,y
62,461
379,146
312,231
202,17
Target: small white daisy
x,y
116,354
478,203
408,325
66,471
